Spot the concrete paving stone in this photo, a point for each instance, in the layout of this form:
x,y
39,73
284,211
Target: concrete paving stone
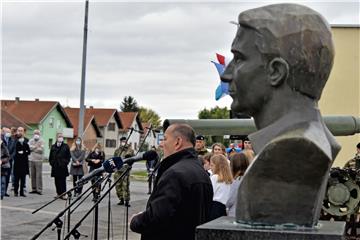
x,y
18,222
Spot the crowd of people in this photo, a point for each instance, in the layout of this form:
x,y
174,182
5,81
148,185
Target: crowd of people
x,y
225,166
21,156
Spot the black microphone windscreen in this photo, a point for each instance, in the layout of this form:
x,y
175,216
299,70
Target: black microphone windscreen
x,y
150,155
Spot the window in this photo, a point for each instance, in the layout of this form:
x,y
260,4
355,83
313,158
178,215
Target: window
x,y
110,143
51,122
111,127
50,142
58,124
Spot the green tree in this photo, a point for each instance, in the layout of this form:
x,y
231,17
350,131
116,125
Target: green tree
x,y
129,104
214,113
148,115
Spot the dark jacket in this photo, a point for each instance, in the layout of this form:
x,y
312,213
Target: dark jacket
x,y
5,159
10,145
94,155
59,159
180,201
21,158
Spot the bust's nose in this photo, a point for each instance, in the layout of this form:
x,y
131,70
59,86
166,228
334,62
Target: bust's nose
x,y
226,76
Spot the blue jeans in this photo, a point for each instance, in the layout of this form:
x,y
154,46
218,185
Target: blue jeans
x,y
3,185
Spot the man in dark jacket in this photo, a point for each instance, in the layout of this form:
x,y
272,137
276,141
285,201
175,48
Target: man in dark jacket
x,y
182,195
59,159
21,162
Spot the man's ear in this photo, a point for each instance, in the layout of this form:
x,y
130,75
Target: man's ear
x,y
278,71
178,143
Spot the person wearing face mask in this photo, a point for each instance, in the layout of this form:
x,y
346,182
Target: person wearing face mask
x,y
9,142
5,165
123,186
21,162
36,157
95,160
59,159
77,151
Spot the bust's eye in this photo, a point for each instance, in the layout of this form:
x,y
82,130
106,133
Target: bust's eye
x,y
238,57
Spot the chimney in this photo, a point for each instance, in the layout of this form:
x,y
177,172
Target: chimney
x,y
91,107
36,100
17,99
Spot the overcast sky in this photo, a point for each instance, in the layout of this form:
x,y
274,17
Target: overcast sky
x,y
159,53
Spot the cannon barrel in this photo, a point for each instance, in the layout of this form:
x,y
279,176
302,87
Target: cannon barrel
x,y
338,125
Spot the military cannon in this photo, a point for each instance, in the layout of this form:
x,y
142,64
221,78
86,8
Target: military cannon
x,y
338,125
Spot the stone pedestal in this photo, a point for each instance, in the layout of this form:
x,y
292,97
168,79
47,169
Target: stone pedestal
x,y
225,228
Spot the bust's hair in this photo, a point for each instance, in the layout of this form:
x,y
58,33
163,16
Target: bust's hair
x,y
299,35
184,130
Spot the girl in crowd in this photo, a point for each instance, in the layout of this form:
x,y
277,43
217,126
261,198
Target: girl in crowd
x,y
206,162
95,160
239,162
221,181
77,151
218,148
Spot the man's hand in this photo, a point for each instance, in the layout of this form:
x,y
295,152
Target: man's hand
x,y
134,216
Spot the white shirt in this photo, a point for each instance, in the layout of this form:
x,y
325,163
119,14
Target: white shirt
x,y
221,189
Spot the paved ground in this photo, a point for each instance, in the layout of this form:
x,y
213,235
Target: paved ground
x,y
18,222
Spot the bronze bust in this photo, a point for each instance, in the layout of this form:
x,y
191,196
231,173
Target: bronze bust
x,y
283,54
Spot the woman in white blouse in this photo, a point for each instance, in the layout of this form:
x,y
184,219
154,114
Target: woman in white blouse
x,y
221,180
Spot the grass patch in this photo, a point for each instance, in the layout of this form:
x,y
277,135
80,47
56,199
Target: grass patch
x,y
139,175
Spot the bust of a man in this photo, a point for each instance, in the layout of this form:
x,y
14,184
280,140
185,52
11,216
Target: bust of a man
x,y
283,55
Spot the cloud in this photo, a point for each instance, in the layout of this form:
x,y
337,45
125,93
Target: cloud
x,y
159,53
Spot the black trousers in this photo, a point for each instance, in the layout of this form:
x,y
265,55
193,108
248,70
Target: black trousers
x,y
217,210
21,178
75,178
60,185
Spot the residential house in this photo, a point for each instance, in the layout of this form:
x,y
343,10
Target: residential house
x,y
131,127
91,130
47,116
109,124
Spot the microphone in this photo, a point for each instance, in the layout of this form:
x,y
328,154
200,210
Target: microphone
x,y
115,164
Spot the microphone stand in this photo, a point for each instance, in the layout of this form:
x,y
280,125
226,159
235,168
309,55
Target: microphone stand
x,y
74,230
57,221
123,176
109,207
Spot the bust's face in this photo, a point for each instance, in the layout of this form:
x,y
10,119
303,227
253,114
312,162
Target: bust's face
x,y
246,74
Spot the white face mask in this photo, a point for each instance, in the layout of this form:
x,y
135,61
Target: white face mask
x,y
97,150
60,139
7,134
78,142
36,137
122,144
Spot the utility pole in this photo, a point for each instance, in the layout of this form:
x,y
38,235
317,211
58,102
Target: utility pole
x,y
83,74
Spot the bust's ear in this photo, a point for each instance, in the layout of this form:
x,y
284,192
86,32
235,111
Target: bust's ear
x,y
278,71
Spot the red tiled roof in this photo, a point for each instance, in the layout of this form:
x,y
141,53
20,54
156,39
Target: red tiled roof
x,y
73,114
127,118
9,120
32,112
103,116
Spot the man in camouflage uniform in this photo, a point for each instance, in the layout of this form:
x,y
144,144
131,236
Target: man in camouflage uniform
x,y
122,187
200,146
354,163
